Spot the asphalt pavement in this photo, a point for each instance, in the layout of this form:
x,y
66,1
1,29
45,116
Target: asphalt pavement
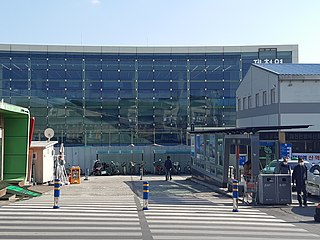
x,y
182,207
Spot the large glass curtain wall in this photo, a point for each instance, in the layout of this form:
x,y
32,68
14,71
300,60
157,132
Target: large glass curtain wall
x,y
123,99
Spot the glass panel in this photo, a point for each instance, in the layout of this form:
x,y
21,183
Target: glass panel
x,y
56,75
162,75
55,93
19,63
73,75
38,111
110,75
93,85
20,101
74,85
128,64
127,94
39,75
92,63
38,102
127,85
109,94
93,75
145,75
231,75
56,63
56,85
19,74
74,63
145,64
179,75
74,138
162,65
198,75
110,63
93,94
127,75
214,75
74,94
161,85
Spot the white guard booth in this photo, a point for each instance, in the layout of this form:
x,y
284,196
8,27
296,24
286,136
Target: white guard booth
x,y
42,154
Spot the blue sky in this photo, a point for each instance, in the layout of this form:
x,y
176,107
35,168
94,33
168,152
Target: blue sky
x,y
164,22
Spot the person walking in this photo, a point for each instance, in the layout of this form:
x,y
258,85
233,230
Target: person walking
x,y
284,167
299,177
168,168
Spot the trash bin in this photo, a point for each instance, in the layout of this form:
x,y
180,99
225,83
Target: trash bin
x,y
275,189
284,189
267,189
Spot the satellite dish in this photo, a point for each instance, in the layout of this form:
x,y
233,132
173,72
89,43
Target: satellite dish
x,y
49,133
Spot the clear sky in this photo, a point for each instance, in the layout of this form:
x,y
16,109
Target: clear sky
x,y
164,22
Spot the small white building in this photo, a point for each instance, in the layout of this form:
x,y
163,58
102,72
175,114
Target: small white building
x,y
42,154
282,94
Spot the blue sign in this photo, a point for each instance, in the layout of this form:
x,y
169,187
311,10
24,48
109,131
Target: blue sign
x,y
242,160
285,150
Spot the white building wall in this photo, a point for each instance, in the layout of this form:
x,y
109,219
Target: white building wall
x,y
264,81
258,81
299,119
299,96
303,91
265,120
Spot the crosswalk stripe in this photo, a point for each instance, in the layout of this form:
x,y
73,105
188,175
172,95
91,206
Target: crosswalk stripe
x,y
64,210
180,216
69,218
242,233
194,208
215,226
223,237
74,223
221,222
67,228
76,219
209,213
65,213
68,233
231,218
215,220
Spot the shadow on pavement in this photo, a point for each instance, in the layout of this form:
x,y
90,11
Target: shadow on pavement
x,y
169,192
304,211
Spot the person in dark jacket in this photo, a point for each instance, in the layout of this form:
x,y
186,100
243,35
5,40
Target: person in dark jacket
x,y
168,167
299,177
284,167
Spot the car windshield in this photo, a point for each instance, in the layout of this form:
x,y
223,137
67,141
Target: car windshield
x,y
292,164
272,164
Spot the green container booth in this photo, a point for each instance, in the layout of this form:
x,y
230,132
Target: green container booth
x,y
14,142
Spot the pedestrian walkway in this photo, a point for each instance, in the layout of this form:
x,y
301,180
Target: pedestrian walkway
x,y
94,220
92,210
107,208
204,221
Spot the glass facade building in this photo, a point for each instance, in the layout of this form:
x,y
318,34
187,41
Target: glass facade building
x,y
129,95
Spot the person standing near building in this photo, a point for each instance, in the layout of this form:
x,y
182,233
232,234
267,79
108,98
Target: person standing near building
x,y
168,167
284,167
299,177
